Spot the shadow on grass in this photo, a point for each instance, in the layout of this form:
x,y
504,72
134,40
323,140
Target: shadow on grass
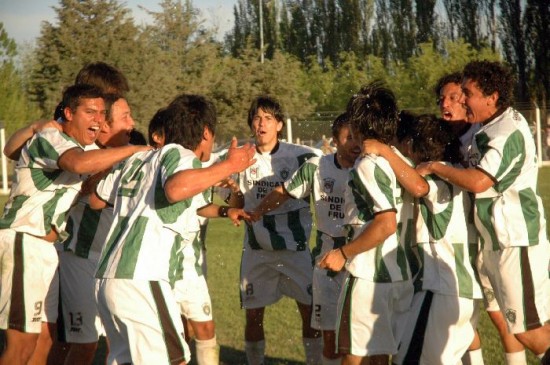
x,y
231,356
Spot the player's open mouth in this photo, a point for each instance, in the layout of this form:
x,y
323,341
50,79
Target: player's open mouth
x,y
447,115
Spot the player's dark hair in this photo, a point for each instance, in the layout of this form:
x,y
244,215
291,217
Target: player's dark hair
x,y
491,77
452,78
108,78
340,121
73,94
187,117
373,112
102,75
110,99
268,104
156,126
137,138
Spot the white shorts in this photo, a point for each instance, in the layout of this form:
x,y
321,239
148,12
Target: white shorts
x,y
519,277
81,322
489,300
439,330
51,303
268,275
326,290
27,267
372,316
191,294
142,322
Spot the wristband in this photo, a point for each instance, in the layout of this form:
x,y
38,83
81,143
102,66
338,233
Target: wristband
x,y
222,211
342,252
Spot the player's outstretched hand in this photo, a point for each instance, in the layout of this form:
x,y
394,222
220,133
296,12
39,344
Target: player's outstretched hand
x,y
236,215
333,260
240,157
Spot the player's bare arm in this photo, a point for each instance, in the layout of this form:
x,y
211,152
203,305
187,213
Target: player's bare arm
x,y
17,141
187,183
224,211
471,179
382,226
91,162
272,201
407,176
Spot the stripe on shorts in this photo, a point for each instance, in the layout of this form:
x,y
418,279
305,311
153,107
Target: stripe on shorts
x,y
344,330
417,340
532,319
17,306
174,347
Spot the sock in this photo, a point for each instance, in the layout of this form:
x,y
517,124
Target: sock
x,y
327,361
208,351
255,352
516,358
474,357
314,350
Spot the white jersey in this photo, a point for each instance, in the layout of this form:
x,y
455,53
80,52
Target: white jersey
x,y
510,213
288,227
41,193
373,188
326,181
148,233
442,237
87,228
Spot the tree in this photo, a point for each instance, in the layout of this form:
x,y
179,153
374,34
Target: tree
x,y
86,31
15,108
513,43
537,19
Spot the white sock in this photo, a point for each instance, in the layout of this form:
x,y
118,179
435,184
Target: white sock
x,y
327,361
516,358
255,352
208,351
314,350
474,357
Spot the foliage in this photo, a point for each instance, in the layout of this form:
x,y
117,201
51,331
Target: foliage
x,y
15,108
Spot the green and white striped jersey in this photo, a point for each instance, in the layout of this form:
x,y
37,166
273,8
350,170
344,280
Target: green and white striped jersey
x,y
41,192
373,188
87,228
510,213
288,227
325,180
148,233
443,244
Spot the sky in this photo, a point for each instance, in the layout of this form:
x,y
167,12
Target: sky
x,y
22,18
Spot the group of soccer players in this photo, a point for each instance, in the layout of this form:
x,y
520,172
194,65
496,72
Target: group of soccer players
x,y
417,217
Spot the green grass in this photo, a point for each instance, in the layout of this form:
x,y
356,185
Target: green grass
x,y
282,320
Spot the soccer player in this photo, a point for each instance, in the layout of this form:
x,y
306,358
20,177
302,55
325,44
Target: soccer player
x,y
509,214
78,259
449,92
190,289
47,180
276,259
155,197
439,329
377,294
324,179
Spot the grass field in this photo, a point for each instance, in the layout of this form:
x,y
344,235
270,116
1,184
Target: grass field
x,y
282,321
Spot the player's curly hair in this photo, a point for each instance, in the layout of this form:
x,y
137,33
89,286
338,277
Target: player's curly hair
x,y
454,78
490,77
373,112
